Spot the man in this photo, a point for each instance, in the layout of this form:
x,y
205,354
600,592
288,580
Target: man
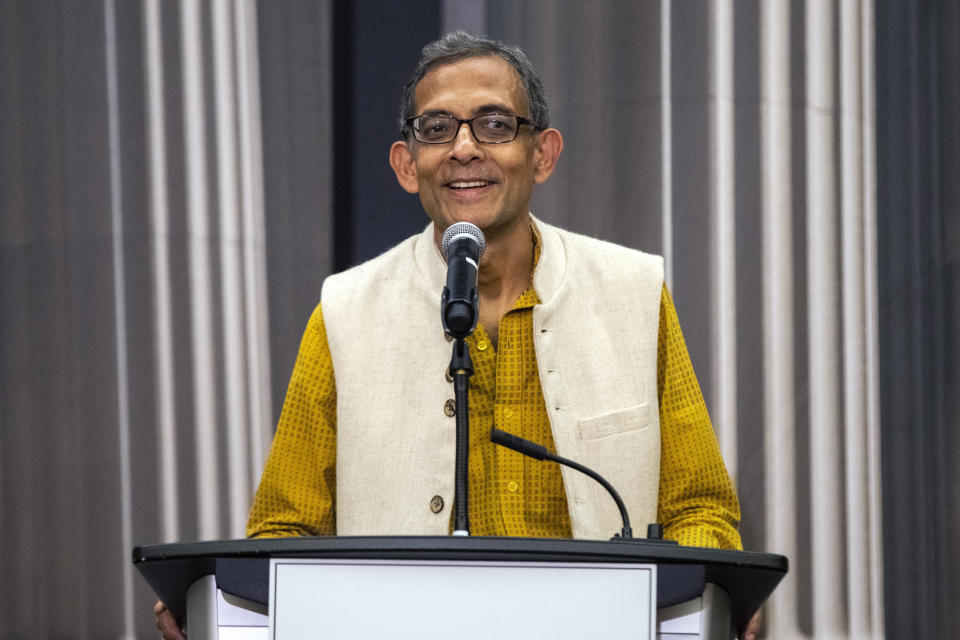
x,y
578,348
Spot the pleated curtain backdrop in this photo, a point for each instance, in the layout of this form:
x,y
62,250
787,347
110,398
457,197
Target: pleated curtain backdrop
x,y
136,395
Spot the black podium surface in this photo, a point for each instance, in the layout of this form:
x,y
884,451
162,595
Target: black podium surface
x,y
242,567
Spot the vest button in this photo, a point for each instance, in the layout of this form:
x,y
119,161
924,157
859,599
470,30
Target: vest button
x,y
450,408
436,504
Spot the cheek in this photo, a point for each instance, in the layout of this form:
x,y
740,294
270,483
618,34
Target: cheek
x,y
523,175
425,185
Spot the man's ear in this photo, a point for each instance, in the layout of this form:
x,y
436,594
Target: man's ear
x,y
403,164
549,146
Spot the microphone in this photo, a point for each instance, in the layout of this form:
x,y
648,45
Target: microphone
x,y
540,452
462,245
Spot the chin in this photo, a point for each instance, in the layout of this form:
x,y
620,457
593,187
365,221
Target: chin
x,y
480,220
489,219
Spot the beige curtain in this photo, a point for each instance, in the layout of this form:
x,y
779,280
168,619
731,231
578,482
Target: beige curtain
x,y
138,318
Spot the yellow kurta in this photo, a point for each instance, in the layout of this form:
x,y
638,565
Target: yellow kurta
x,y
510,495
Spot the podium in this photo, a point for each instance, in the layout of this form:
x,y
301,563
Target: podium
x,y
225,589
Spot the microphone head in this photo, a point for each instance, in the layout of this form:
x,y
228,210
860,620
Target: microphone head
x,y
459,229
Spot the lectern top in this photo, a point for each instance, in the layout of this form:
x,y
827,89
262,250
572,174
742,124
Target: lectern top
x,y
241,567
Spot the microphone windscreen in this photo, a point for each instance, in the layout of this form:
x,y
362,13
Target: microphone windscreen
x,y
462,228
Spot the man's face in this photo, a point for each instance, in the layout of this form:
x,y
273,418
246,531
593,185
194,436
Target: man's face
x,y
463,180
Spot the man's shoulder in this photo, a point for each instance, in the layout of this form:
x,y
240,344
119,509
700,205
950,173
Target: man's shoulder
x,y
583,247
384,262
412,267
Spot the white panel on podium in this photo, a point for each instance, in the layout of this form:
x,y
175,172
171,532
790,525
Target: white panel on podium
x,y
704,618
397,599
214,615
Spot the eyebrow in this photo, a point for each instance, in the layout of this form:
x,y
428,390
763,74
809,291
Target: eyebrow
x,y
479,111
492,108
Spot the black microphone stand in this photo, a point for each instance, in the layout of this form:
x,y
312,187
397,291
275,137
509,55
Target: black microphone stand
x,y
462,247
461,368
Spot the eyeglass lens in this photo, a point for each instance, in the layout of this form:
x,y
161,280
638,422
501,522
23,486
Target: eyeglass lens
x,y
493,127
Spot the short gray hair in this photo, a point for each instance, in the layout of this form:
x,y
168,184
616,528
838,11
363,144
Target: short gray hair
x,y
460,45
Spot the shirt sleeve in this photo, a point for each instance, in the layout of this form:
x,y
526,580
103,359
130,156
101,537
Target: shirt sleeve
x,y
297,492
698,503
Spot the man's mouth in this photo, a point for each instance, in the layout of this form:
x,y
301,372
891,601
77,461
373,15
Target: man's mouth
x,y
469,184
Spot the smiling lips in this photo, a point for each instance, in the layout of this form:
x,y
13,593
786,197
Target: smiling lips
x,y
468,184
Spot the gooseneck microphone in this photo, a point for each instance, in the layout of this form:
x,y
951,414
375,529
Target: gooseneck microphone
x,y
462,245
540,452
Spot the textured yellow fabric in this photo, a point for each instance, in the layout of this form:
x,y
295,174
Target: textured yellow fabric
x,y
698,505
509,494
297,491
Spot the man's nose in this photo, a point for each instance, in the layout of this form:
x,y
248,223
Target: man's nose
x,y
465,145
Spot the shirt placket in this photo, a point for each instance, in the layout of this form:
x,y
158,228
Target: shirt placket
x,y
482,490
508,415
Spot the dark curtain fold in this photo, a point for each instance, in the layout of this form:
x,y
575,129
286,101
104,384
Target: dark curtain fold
x,y
918,169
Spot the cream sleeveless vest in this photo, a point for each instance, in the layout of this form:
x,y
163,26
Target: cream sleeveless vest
x,y
595,335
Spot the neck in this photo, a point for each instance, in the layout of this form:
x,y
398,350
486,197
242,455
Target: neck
x,y
505,271
506,265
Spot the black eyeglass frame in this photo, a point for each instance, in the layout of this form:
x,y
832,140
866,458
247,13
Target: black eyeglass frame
x,y
408,123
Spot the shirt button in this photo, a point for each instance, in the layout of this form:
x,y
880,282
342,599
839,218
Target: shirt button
x,y
508,413
436,504
481,346
450,408
512,486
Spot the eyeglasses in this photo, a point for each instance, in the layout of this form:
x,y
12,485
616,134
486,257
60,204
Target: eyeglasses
x,y
489,128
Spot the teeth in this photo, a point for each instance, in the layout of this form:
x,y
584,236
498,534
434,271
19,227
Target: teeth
x,y
467,185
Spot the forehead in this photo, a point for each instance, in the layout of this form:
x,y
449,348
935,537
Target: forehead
x,y
468,86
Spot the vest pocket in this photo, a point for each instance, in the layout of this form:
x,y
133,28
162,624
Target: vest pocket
x,y
616,422
624,447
